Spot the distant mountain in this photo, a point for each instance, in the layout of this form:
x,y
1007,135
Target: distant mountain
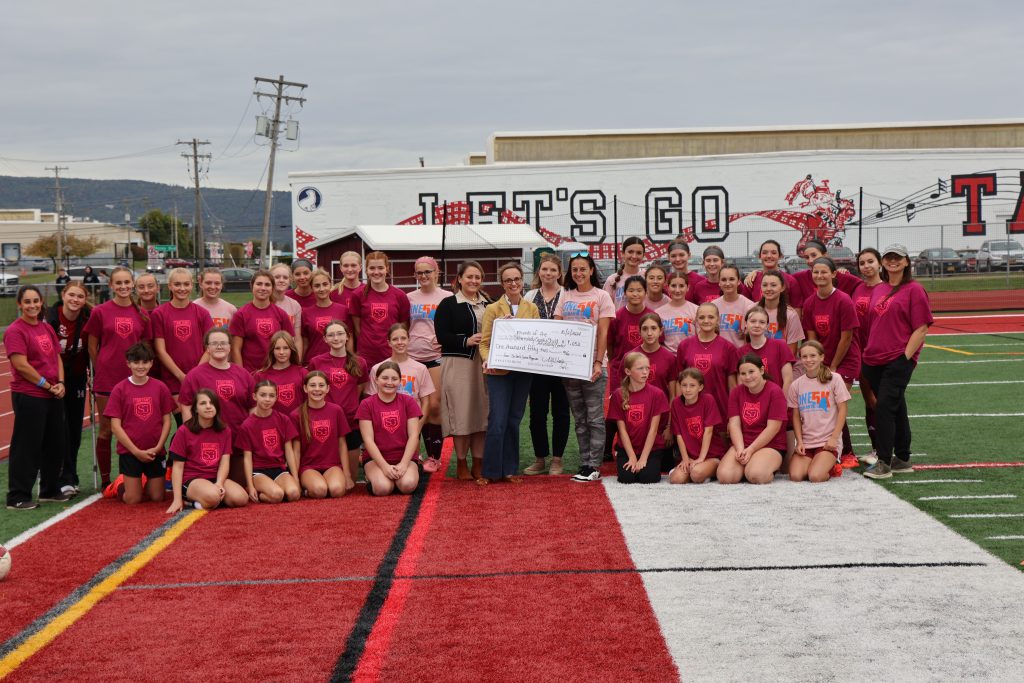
x,y
238,213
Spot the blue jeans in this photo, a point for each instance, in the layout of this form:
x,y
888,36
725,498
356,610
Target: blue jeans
x,y
506,397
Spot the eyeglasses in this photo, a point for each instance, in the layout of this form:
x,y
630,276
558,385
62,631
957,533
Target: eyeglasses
x,y
215,344
584,253
512,281
424,273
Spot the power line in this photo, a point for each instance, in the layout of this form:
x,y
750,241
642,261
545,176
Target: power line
x,y
147,152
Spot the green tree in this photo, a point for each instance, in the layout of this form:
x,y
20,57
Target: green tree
x,y
80,247
161,228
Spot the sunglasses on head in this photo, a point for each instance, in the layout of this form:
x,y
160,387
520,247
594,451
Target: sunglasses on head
x,y
579,253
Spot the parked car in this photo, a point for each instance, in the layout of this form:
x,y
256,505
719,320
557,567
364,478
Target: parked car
x,y
970,257
938,260
745,264
697,265
78,272
794,264
843,257
9,283
179,263
35,264
237,279
998,254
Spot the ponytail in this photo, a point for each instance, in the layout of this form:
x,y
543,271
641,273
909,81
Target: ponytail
x,y
627,363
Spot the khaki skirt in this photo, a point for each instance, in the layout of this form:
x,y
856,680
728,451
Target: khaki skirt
x,y
463,396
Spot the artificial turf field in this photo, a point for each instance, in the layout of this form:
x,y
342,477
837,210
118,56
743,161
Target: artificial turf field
x,y
551,579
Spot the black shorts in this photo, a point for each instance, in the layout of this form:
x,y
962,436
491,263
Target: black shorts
x,y
130,466
272,472
354,439
433,363
184,486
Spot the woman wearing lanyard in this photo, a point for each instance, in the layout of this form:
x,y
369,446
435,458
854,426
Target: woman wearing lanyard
x,y
37,387
547,390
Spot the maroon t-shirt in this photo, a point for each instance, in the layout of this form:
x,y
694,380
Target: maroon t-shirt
x,y
390,422
201,452
774,354
717,360
662,361
344,297
265,437
320,450
623,337
141,410
182,330
289,386
703,292
377,312
690,422
864,300
343,387
304,300
828,318
895,319
753,292
117,328
256,326
692,280
754,411
41,348
845,282
233,386
315,319
645,406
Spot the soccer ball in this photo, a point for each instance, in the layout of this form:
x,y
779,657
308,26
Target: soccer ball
x,y
5,563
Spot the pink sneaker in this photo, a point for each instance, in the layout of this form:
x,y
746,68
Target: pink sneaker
x,y
431,465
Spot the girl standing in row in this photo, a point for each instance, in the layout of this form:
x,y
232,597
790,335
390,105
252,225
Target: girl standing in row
x,y
316,317
211,282
281,366
375,308
346,375
732,306
678,315
707,290
424,347
656,278
301,290
679,257
770,254
632,252
68,318
783,320
351,266
282,275
255,323
713,356
869,262
183,324
661,359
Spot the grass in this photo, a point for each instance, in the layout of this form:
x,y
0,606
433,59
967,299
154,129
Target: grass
x,y
973,282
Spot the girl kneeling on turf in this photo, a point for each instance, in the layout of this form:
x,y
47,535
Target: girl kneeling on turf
x,y
818,400
323,455
389,422
201,452
696,423
265,438
757,411
638,409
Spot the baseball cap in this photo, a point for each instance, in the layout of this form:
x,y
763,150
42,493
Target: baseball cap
x,y
898,249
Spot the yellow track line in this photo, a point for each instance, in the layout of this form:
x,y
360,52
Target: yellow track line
x,y
66,619
946,348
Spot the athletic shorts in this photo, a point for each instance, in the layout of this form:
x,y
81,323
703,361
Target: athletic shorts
x,y
272,472
184,486
130,466
814,450
354,439
436,363
321,470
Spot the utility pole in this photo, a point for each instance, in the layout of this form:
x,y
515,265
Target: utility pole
x,y
279,85
198,247
61,220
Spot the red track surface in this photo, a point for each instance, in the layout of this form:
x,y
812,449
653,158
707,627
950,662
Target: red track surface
x,y
977,324
986,300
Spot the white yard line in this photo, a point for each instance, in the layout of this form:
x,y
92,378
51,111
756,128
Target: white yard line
x,y
969,415
938,481
42,526
1004,538
964,384
986,497
994,515
961,362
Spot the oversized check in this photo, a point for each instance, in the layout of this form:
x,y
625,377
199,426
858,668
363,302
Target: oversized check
x,y
544,347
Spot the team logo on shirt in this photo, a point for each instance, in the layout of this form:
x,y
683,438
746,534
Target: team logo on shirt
x,y
822,323
225,389
751,412
408,385
390,420
378,312
422,311
265,326
285,393
209,453
183,329
883,305
861,303
321,323
44,343
773,331
702,361
730,321
581,309
695,426
321,430
143,407
270,439
635,415
814,401
654,371
633,335
338,377
124,327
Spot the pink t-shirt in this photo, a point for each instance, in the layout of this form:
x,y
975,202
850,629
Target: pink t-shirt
x,y
220,312
677,323
794,331
774,354
289,386
377,312
315,320
662,361
818,404
716,359
754,411
201,452
182,330
265,437
294,311
895,319
587,307
753,292
828,318
690,422
730,318
346,294
343,387
141,409
321,450
255,326
41,348
117,328
703,292
623,337
416,380
390,423
305,301
233,386
864,300
423,344
655,305
645,406
615,286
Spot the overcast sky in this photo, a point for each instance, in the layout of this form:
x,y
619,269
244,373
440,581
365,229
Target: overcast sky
x,y
390,82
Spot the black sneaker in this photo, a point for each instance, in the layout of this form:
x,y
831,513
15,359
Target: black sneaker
x,y
56,498
587,473
900,466
879,470
23,505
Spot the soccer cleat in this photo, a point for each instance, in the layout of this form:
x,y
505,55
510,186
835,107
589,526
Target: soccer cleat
x,y
112,488
879,470
537,467
868,459
587,473
836,471
898,466
849,461
69,490
23,505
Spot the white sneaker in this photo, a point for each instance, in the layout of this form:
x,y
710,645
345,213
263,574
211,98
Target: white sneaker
x,y
587,473
869,458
